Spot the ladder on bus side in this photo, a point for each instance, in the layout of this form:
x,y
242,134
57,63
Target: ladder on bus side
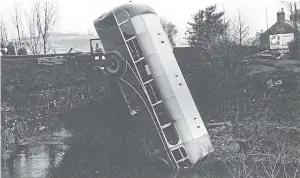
x,y
155,101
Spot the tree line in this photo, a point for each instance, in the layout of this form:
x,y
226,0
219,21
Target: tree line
x,y
33,27
208,27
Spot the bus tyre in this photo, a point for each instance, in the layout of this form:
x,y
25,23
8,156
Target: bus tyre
x,y
114,64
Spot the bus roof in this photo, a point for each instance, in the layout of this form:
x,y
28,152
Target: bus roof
x,y
133,9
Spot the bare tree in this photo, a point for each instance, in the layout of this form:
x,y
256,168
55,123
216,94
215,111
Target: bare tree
x,y
33,41
17,21
290,6
170,30
243,29
240,29
294,11
47,16
3,33
295,18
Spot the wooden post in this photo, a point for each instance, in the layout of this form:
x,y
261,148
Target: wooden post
x,y
296,31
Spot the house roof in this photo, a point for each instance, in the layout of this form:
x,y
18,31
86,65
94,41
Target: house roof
x,y
287,23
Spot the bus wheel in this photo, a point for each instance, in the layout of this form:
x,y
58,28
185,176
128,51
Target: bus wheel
x,y
114,63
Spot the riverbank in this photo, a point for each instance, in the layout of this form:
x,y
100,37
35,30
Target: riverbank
x,y
252,117
33,95
20,130
241,148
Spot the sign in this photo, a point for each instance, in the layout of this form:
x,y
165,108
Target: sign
x,y
51,60
280,41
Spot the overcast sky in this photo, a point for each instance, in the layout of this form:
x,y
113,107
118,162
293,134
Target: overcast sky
x,y
76,16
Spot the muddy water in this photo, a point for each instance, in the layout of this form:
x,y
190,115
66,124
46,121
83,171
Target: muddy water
x,y
79,156
34,157
74,156
94,149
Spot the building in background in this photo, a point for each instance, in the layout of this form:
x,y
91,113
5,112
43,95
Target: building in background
x,y
254,41
281,28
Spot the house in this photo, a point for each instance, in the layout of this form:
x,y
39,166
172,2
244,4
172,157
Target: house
x,y
256,41
253,41
282,26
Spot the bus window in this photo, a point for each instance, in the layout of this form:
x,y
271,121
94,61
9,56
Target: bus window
x,y
162,114
171,135
183,152
141,65
176,154
135,49
122,16
127,30
153,92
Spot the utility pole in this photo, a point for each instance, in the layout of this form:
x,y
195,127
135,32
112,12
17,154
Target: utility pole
x,y
296,31
267,18
240,29
225,30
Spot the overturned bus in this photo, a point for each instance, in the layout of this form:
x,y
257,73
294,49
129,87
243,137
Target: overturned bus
x,y
140,61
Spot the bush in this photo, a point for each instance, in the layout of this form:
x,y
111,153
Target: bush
x,y
22,51
294,50
11,49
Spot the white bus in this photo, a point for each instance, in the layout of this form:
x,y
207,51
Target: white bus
x,y
140,58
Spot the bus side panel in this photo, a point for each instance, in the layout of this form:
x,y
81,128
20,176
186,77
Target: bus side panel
x,y
172,85
174,75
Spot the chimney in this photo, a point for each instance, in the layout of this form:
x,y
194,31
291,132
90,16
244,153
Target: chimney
x,y
281,16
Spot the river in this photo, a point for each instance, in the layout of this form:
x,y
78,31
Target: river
x,y
85,147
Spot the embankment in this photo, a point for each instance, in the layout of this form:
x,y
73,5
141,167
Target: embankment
x,y
34,95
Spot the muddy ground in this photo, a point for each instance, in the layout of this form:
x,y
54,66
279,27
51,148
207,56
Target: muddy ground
x,y
257,134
